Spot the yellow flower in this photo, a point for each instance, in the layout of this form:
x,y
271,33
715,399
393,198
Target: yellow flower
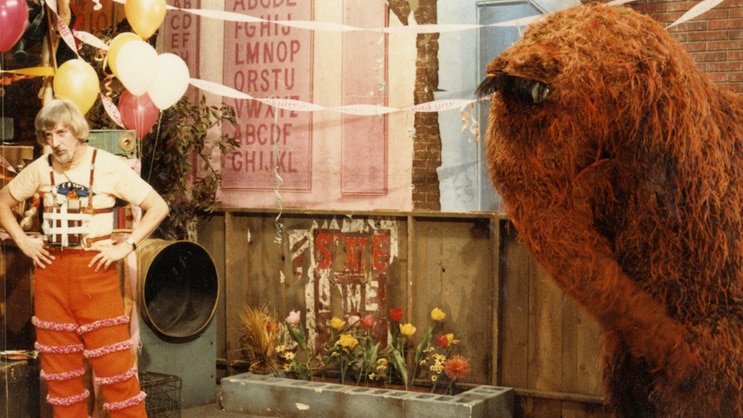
x,y
348,341
337,323
407,329
438,315
451,339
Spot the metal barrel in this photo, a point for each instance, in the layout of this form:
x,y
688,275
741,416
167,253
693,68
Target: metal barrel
x,y
178,287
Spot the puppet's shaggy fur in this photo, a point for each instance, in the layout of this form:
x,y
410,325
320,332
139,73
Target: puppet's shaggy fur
x,y
621,166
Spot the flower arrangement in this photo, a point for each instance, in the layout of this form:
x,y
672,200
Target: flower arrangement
x,y
354,353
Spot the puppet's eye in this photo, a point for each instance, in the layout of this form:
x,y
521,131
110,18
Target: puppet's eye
x,y
524,89
488,86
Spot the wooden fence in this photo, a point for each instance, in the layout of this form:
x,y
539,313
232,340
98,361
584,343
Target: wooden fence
x,y
516,326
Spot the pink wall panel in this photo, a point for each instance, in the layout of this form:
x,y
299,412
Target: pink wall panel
x,y
364,142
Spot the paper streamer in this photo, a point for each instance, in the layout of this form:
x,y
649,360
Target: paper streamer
x,y
68,36
336,27
32,71
695,11
411,29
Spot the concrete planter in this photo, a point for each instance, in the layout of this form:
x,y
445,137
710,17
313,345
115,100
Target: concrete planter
x,y
268,396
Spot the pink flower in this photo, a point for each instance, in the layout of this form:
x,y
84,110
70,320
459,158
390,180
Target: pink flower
x,y
352,319
369,321
396,314
293,318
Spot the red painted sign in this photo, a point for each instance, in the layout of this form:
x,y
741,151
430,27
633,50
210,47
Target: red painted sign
x,y
348,267
90,20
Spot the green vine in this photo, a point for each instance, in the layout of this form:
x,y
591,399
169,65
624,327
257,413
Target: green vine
x,y
177,161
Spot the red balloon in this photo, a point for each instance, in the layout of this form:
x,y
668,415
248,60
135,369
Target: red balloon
x,y
13,20
138,112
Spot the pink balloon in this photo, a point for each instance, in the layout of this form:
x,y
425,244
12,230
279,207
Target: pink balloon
x,y
13,20
138,112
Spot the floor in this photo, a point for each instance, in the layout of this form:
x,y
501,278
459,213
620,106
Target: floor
x,y
211,411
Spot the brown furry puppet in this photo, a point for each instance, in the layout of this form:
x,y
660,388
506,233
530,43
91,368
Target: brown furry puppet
x,y
621,166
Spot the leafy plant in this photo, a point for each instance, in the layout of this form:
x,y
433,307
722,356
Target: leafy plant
x,y
176,153
176,161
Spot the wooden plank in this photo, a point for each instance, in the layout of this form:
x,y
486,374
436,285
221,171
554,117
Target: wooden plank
x,y
570,373
545,333
495,251
453,273
515,266
211,235
589,356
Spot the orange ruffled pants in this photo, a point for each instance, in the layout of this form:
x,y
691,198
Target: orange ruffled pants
x,y
79,314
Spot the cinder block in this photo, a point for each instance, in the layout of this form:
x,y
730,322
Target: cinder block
x,y
263,395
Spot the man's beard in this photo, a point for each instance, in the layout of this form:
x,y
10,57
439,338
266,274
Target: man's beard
x,y
64,158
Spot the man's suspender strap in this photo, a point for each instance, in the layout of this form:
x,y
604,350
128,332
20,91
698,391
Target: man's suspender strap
x,y
89,209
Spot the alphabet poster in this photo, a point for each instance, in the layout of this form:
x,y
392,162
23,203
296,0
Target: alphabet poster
x,y
269,60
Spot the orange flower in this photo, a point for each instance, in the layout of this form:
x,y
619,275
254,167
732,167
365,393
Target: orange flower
x,y
457,367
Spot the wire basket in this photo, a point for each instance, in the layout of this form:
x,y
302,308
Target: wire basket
x,y
163,394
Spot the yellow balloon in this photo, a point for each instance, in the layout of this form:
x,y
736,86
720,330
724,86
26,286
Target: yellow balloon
x,y
76,80
115,46
145,16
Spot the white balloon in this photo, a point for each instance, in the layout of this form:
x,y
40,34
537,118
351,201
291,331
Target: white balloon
x,y
171,81
136,66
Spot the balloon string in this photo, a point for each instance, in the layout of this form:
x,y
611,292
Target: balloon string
x,y
154,148
138,118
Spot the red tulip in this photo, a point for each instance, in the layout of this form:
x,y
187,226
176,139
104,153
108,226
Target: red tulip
x,y
442,341
396,314
369,321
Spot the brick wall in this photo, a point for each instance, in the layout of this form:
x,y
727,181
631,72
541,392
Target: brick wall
x,y
427,145
714,39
